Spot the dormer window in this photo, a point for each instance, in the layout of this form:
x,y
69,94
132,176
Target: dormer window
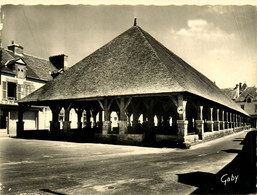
x,y
249,100
20,67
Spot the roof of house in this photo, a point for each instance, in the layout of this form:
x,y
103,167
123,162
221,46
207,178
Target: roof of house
x,y
248,92
231,93
37,68
132,63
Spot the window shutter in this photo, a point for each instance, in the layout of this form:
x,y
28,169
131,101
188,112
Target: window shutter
x,y
18,91
4,90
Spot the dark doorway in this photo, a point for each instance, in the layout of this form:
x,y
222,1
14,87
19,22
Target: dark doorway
x,y
3,118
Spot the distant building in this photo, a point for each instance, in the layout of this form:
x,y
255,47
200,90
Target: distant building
x,y
246,97
21,74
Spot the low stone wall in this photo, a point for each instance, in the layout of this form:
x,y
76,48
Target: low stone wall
x,y
131,139
192,138
221,133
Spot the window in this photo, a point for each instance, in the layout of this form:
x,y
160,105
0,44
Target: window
x,y
28,88
18,92
249,99
4,90
255,107
11,91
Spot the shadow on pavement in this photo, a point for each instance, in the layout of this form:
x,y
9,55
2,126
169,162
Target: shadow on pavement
x,y
52,192
237,177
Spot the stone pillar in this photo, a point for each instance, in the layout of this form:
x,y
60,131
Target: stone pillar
x,y
216,126
222,123
106,127
181,108
79,112
107,123
230,120
149,104
67,122
100,122
200,122
182,129
226,122
55,124
128,118
94,113
135,119
236,121
88,117
200,128
210,120
123,125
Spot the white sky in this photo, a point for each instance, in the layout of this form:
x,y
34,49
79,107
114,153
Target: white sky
x,y
219,41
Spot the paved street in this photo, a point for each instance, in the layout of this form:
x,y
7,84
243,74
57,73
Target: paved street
x,y
52,167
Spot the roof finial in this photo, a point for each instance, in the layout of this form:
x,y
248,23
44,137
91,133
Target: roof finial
x,y
135,21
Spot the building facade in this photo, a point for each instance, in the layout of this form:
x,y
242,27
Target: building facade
x,y
246,98
22,74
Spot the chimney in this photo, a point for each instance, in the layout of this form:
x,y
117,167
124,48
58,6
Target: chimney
x,y
59,61
15,48
135,21
240,88
237,88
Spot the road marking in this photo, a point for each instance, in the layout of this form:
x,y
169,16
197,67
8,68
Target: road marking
x,y
202,154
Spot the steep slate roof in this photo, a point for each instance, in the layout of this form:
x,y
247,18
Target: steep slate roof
x,y
132,63
37,68
248,92
231,93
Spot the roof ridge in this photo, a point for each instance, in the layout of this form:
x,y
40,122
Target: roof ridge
x,y
35,57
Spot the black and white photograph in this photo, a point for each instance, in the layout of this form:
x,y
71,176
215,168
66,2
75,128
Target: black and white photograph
x,y
128,97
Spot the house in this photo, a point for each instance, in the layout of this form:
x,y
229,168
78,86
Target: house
x,y
246,98
157,97
21,74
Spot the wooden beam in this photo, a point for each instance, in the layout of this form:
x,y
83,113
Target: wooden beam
x,y
110,104
117,101
128,102
174,100
100,103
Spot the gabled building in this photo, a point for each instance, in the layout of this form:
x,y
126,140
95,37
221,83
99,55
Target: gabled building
x,y
21,74
156,95
246,98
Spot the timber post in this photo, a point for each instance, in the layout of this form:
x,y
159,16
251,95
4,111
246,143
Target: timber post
x,y
79,112
210,120
216,124
20,123
200,122
222,123
88,117
107,123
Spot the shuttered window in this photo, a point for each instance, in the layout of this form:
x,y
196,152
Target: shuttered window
x,y
18,91
4,90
